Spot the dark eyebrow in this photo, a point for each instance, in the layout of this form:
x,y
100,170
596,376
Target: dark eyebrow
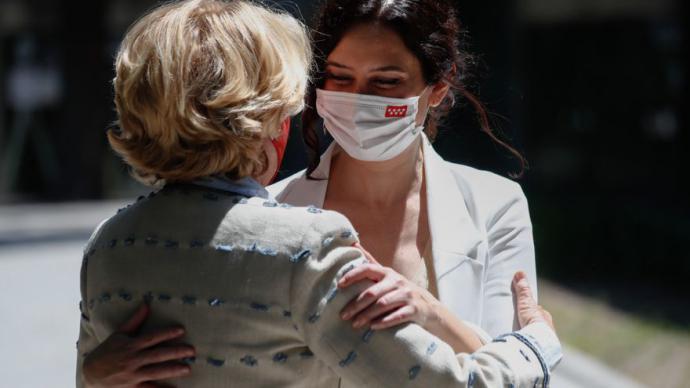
x,y
390,68
384,68
336,64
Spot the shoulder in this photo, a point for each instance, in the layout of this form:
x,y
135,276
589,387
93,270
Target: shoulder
x,y
489,196
484,184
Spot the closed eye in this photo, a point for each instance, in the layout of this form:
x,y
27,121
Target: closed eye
x,y
338,79
387,83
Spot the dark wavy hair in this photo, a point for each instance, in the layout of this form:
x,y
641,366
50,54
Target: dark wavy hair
x,y
431,31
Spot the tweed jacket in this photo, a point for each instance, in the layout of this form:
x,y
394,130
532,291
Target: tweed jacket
x,y
254,284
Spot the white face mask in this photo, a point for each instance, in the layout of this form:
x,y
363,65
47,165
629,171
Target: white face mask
x,y
369,128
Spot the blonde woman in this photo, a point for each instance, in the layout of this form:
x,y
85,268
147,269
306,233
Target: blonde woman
x,y
203,91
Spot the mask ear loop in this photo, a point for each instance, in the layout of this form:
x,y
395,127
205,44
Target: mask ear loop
x,y
420,127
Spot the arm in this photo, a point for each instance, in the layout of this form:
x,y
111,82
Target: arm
x,y
510,249
406,354
394,300
124,360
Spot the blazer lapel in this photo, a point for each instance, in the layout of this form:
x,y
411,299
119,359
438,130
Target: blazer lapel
x,y
456,242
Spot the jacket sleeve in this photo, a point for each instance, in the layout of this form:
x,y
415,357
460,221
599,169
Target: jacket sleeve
x,y
510,249
87,339
406,355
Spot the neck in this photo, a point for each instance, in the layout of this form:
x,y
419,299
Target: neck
x,y
377,183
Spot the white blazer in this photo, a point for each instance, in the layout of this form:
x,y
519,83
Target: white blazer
x,y
481,234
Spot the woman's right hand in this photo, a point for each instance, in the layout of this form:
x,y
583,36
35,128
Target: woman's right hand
x,y
127,361
528,310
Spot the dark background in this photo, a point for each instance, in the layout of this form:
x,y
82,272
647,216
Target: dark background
x,y
593,92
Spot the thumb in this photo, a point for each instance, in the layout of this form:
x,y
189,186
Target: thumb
x,y
136,320
521,287
366,253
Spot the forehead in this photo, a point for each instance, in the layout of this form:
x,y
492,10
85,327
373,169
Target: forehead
x,y
369,46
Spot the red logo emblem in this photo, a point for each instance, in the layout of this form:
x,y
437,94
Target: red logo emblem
x,y
396,110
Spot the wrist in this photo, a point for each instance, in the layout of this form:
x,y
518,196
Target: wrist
x,y
436,318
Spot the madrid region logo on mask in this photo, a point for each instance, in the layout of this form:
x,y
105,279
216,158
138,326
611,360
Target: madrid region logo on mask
x,y
396,110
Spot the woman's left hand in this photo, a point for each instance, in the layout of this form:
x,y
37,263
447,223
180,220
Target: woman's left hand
x,y
391,301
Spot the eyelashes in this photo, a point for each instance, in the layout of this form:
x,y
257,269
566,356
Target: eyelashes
x,y
384,83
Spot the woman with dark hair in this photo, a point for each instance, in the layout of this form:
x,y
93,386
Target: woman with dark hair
x,y
448,237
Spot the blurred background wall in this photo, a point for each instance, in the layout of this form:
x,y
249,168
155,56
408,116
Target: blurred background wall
x,y
593,92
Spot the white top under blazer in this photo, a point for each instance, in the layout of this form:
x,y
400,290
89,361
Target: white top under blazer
x,y
481,234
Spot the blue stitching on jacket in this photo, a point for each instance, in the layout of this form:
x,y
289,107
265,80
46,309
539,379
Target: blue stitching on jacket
x,y
300,256
196,244
431,349
351,357
249,360
171,244
332,293
327,241
189,360
215,361
414,372
366,337
306,353
125,296
258,306
280,358
314,210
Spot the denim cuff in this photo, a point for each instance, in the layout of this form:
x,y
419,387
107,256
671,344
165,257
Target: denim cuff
x,y
543,337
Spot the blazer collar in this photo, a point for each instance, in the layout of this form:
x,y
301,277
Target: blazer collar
x,y
323,171
454,235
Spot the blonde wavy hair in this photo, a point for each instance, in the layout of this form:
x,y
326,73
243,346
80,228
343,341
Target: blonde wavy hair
x,y
200,84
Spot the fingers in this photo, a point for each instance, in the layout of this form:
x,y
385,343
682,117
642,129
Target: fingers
x,y
152,339
168,370
366,298
384,304
368,255
163,354
135,321
373,272
398,317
